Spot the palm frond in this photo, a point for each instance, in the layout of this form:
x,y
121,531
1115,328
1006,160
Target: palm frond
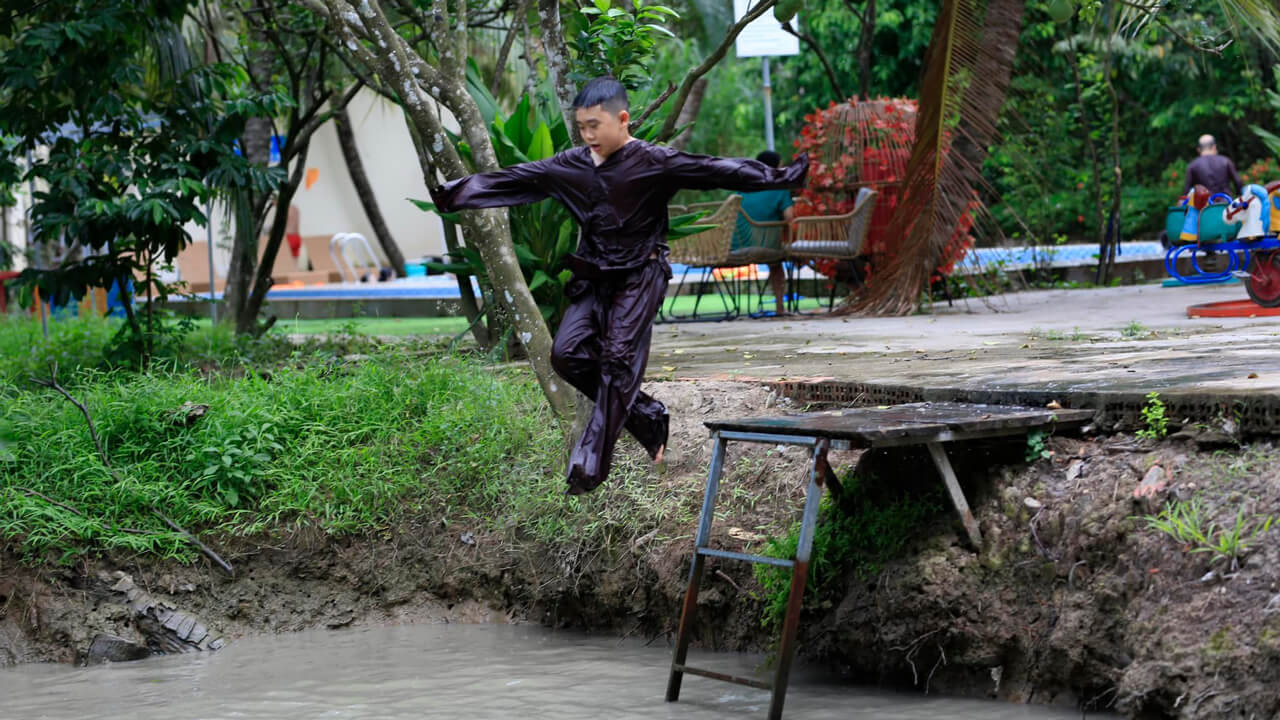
x,y
966,77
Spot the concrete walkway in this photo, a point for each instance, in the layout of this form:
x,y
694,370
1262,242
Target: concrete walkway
x,y
1133,339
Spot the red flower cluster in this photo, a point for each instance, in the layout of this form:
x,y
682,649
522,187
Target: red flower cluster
x,y
866,144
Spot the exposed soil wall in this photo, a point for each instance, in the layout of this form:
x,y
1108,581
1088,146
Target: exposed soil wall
x,y
1072,599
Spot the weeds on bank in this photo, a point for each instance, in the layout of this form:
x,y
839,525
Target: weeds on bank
x,y
859,537
1187,523
290,437
1037,446
1135,329
1153,417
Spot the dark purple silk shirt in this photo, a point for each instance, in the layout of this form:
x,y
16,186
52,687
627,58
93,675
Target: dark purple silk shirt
x,y
621,205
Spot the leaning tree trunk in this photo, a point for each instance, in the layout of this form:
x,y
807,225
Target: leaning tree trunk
x,y
364,190
370,36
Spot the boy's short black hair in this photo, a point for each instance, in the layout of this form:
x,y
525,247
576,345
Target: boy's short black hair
x,y
770,158
603,91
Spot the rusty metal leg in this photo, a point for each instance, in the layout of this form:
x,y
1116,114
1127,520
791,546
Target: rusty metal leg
x,y
939,454
703,537
799,575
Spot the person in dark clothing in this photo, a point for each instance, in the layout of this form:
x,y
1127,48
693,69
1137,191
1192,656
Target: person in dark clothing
x,y
1215,172
617,187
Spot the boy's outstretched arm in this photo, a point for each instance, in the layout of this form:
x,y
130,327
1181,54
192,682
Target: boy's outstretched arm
x,y
706,172
516,185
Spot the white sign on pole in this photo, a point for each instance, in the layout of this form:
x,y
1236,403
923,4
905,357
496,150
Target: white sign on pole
x,y
764,37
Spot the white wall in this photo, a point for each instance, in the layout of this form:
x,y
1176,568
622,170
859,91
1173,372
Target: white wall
x,y
332,206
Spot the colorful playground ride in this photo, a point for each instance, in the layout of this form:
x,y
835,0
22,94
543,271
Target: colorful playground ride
x,y
1240,234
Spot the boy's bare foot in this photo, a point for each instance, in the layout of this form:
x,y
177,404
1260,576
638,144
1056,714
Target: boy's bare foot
x,y
657,457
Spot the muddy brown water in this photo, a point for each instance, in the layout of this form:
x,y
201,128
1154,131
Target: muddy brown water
x,y
477,672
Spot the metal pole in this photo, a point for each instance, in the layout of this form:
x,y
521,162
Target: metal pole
x,y
768,106
213,303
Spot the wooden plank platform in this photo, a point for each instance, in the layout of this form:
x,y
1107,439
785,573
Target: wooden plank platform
x,y
917,423
928,424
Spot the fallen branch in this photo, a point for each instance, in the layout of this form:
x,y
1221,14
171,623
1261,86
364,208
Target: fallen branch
x,y
52,382
208,551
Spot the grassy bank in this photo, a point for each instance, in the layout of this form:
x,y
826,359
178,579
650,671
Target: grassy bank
x,y
259,439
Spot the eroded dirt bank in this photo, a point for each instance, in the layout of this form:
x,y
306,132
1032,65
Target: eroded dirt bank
x,y
1072,600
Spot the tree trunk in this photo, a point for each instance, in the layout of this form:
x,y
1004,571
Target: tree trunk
x,y
247,205
256,142
470,310
864,49
558,60
351,154
689,113
247,319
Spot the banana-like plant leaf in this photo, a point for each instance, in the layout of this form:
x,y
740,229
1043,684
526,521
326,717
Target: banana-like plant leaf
x,y
540,146
427,206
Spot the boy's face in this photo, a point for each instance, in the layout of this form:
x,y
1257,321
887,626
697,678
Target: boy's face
x,y
602,131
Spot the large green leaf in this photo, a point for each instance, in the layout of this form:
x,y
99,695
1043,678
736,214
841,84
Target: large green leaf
x,y
507,151
564,243
540,146
487,103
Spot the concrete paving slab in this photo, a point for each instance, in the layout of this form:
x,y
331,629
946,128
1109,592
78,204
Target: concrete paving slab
x,y
1071,344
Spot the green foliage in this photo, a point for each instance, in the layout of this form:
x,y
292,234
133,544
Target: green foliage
x,y
1037,446
134,147
1153,417
1168,95
610,40
1134,329
1271,140
293,437
1189,525
857,538
74,343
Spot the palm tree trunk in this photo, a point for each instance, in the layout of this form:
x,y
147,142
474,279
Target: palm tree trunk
x,y
364,190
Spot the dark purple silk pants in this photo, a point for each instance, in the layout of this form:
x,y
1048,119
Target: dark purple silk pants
x,y
602,349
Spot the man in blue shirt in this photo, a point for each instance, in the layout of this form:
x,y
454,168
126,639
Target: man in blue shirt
x,y
764,245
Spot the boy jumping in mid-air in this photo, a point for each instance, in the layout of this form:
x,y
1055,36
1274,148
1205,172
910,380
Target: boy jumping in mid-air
x,y
617,187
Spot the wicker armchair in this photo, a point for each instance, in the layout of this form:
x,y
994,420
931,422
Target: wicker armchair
x,y
710,248
705,251
837,237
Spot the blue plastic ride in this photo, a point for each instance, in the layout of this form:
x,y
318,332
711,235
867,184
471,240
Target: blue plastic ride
x,y
1241,230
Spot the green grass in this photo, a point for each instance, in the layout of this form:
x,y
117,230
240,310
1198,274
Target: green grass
x,y
292,437
1189,524
710,304
376,326
858,538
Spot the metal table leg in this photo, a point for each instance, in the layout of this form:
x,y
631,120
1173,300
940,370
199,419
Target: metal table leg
x,y
799,576
695,575
819,474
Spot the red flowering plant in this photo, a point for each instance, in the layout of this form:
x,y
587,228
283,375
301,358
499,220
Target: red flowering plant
x,y
1261,172
866,144
853,145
